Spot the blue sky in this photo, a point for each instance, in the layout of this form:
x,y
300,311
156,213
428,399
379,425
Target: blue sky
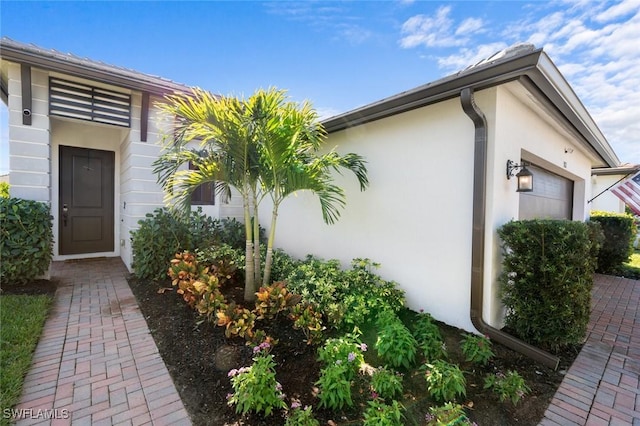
x,y
341,55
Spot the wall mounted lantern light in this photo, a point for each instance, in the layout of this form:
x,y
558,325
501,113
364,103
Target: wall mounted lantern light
x,y
524,176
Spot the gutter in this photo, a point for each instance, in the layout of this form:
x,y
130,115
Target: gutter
x,y
477,239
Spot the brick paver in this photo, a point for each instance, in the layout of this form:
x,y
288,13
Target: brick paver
x,y
601,387
96,362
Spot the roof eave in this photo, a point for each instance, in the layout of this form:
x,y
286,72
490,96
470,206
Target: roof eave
x,y
437,91
67,66
535,65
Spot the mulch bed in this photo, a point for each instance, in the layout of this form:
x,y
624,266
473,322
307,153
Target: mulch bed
x,y
199,356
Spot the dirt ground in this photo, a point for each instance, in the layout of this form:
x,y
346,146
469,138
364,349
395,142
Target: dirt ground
x,y
199,357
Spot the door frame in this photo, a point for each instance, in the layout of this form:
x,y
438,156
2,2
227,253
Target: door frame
x,y
55,200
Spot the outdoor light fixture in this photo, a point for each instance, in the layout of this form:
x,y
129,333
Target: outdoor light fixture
x,y
525,178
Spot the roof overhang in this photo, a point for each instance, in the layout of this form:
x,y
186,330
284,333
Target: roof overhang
x,y
624,169
533,69
52,60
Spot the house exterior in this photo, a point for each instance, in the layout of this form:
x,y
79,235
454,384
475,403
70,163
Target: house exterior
x,y
82,138
437,158
602,179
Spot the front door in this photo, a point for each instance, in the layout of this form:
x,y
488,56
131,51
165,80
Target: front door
x,y
86,200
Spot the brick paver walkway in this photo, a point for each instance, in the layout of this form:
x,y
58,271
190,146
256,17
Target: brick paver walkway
x,y
96,362
602,385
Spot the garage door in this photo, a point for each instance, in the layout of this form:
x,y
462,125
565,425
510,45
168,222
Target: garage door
x,y
551,198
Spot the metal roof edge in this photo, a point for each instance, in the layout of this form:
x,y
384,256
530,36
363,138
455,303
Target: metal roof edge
x,y
479,77
51,60
552,83
536,65
620,170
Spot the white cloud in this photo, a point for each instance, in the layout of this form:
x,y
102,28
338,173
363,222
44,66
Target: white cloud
x,y
327,112
623,8
466,57
470,26
594,44
430,30
354,34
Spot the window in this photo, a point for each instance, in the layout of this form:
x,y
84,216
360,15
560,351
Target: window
x,y
204,195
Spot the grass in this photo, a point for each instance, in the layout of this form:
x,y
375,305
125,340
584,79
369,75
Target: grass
x,y
22,318
631,269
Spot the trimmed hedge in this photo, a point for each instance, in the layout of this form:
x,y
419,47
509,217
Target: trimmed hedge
x,y
619,232
26,239
546,281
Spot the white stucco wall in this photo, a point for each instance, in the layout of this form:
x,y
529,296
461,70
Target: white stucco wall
x,y
415,219
29,148
607,201
522,131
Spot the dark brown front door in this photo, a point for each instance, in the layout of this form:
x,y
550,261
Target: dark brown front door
x,y
86,200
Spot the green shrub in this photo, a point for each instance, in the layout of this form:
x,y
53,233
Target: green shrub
x,y
510,386
380,414
387,383
26,239
347,298
255,388
346,350
428,337
224,261
395,344
335,388
445,381
4,190
619,232
546,280
299,416
159,237
162,234
476,349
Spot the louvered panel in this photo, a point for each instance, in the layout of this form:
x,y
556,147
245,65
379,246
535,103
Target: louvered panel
x,y
76,100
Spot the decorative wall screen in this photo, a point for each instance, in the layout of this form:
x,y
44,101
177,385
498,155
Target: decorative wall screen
x,y
77,100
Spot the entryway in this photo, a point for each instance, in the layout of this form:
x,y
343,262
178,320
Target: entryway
x,y
86,208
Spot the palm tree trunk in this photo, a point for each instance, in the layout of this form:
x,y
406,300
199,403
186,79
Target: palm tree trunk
x,y
256,242
272,236
249,277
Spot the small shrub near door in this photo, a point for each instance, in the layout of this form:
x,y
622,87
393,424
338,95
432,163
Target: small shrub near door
x,y
26,239
546,280
619,232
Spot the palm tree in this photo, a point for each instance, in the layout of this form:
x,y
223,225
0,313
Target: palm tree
x,y
265,145
290,136
227,156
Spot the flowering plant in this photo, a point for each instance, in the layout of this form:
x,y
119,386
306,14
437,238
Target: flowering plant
x,y
346,350
299,416
386,383
335,387
476,349
445,381
380,414
509,386
255,388
447,414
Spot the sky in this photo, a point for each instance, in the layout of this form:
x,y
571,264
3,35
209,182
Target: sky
x,y
344,54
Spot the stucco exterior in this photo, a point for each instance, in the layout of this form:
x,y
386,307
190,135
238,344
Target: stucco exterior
x,y
34,149
417,217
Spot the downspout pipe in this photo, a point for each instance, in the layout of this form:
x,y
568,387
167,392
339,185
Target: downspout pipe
x,y
478,239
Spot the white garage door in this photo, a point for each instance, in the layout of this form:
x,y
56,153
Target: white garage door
x,y
551,198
